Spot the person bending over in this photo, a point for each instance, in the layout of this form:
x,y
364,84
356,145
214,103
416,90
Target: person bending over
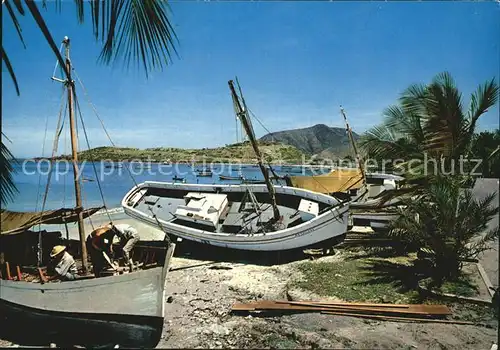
x,y
128,239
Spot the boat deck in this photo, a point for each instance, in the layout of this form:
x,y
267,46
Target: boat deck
x,y
235,219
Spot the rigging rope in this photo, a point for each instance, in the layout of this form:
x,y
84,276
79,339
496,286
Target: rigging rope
x,y
313,177
57,61
43,152
167,238
65,152
54,150
77,103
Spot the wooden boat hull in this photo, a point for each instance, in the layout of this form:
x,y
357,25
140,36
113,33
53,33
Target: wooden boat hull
x,y
126,309
327,225
34,326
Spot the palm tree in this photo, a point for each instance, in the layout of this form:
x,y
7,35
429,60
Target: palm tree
x,y
448,221
135,30
430,122
7,188
485,147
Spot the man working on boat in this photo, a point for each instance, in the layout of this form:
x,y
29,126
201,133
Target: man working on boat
x,y
100,247
128,239
65,267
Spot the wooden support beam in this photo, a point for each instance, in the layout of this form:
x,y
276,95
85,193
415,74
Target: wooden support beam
x,y
334,303
43,279
19,274
417,309
7,270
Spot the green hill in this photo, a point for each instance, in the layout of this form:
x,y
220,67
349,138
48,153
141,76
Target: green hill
x,y
241,152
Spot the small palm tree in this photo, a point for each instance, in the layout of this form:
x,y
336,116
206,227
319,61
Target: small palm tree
x,y
485,147
7,187
448,221
134,30
430,121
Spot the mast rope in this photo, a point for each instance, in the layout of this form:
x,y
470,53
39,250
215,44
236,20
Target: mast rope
x,y
80,179
47,187
167,238
43,152
269,132
65,148
77,104
57,61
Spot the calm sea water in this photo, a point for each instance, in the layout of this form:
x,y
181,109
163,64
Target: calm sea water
x,y
31,179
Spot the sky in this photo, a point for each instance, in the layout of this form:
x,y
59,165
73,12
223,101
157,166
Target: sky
x,y
297,62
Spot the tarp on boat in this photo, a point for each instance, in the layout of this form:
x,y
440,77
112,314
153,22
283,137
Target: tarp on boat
x,y
14,222
339,180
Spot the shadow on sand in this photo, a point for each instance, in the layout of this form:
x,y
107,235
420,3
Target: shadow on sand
x,y
204,252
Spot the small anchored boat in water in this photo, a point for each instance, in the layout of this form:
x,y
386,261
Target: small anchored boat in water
x,y
231,178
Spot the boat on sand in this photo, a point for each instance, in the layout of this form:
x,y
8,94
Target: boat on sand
x,y
124,307
259,217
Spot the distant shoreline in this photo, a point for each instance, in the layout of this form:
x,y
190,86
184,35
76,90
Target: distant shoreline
x,y
198,163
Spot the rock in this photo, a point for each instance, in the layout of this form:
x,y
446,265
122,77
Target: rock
x,y
218,343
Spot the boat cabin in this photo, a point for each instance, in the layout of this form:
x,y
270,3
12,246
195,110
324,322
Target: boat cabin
x,y
203,208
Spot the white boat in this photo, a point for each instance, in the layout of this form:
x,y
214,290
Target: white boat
x,y
226,216
247,217
124,307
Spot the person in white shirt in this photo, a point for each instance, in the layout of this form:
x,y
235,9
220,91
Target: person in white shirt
x,y
65,268
128,239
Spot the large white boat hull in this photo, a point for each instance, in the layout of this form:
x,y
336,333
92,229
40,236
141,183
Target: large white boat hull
x,y
327,225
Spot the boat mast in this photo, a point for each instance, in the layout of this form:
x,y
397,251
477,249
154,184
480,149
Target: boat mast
x,y
351,138
70,85
242,115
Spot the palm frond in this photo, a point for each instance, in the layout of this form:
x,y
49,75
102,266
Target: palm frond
x,y
486,96
19,6
14,18
135,30
6,60
495,153
45,31
7,186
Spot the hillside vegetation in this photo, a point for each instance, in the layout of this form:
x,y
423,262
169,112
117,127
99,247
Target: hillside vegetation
x,y
240,152
320,139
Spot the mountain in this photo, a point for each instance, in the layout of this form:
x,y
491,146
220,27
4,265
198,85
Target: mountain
x,y
320,139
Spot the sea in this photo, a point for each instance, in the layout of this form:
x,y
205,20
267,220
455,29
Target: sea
x,y
115,180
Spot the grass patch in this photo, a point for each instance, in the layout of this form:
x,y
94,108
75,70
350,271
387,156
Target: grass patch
x,y
361,279
463,286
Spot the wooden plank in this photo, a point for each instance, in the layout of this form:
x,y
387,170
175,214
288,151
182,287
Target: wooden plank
x,y
428,310
334,303
19,274
397,319
43,279
7,270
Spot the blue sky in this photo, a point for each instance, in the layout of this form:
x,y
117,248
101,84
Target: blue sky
x,y
296,61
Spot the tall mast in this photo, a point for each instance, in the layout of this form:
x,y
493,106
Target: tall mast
x,y
243,116
70,85
351,138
